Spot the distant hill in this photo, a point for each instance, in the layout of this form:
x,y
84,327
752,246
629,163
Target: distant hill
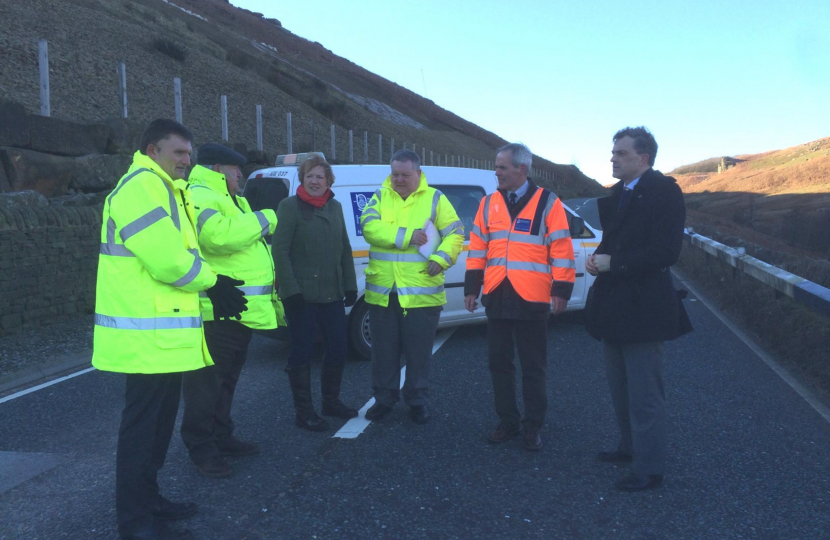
x,y
781,193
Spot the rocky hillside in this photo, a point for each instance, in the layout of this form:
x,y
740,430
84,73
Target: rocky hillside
x,y
782,195
217,49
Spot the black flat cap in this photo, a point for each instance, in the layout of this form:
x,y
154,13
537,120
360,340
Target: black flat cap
x,y
211,154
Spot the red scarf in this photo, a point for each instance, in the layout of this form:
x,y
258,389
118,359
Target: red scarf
x,y
317,202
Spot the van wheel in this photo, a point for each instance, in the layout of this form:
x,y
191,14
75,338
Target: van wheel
x,y
359,338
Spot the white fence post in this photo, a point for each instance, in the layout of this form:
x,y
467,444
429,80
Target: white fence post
x,y
177,98
380,148
289,135
391,147
313,137
224,110
423,155
365,147
351,147
259,127
43,64
122,88
430,158
333,153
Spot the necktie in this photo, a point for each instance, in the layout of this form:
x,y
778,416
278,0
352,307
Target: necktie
x,y
512,199
625,196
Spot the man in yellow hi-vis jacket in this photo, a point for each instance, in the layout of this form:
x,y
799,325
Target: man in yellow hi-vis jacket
x,y
404,288
147,321
231,238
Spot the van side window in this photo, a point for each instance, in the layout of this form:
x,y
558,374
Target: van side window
x,y
465,200
263,193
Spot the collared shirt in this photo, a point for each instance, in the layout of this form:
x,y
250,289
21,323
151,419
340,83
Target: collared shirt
x,y
632,184
522,190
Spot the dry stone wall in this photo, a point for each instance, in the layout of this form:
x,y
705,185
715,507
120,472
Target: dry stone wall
x,y
48,263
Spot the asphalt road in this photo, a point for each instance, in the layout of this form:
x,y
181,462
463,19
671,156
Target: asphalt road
x,y
749,458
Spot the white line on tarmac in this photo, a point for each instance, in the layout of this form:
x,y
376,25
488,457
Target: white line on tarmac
x,y
355,426
44,385
768,360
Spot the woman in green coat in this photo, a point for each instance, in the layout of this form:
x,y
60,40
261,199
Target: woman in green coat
x,y
315,272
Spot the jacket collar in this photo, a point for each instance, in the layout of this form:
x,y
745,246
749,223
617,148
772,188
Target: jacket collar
x,y
140,161
202,176
422,185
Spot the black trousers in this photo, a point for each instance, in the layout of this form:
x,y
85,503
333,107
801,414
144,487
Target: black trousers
x,y
208,392
530,338
147,423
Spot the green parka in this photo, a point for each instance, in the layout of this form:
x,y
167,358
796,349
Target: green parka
x,y
312,252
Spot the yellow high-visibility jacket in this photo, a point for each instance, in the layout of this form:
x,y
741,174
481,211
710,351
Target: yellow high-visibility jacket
x,y
388,222
231,238
150,273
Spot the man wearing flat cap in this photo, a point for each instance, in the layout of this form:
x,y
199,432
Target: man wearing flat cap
x,y
231,238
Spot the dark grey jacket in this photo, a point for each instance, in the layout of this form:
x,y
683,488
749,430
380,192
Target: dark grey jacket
x,y
636,301
312,253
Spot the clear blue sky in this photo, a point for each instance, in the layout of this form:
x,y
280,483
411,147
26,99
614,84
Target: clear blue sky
x,y
709,78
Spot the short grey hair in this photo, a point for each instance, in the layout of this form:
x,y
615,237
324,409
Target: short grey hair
x,y
521,155
406,155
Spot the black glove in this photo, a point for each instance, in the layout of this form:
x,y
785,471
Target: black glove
x,y
293,304
351,298
228,301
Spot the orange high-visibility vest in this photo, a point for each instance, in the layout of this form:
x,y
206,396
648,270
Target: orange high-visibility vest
x,y
531,251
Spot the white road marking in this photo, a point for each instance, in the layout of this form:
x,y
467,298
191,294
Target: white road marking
x,y
767,359
44,385
355,426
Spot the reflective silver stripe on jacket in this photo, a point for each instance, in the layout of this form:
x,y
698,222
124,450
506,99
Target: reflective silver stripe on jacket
x,y
487,210
115,250
139,224
174,208
456,227
372,201
124,182
527,239
191,274
557,235
205,215
444,256
518,265
563,263
368,219
499,235
370,212
147,323
263,222
404,291
397,257
257,290
436,197
377,289
400,237
476,254
477,232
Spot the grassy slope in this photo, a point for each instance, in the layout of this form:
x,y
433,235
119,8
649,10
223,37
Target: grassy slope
x,y
783,193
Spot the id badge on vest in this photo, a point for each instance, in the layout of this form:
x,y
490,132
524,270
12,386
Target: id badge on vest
x,y
522,225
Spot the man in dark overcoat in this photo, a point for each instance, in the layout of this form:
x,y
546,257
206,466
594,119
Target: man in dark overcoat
x,y
633,306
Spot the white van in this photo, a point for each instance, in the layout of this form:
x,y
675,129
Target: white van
x,y
355,184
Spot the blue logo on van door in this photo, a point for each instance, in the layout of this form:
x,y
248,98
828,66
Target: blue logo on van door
x,y
359,201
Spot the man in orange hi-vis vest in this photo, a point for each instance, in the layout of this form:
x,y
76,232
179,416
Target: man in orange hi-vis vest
x,y
521,251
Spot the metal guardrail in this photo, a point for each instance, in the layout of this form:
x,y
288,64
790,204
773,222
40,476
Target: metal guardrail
x,y
805,292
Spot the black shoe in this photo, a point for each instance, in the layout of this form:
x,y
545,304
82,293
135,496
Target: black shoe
x,y
419,414
235,448
310,421
171,511
215,467
377,411
532,440
639,482
159,532
614,457
503,433
338,408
